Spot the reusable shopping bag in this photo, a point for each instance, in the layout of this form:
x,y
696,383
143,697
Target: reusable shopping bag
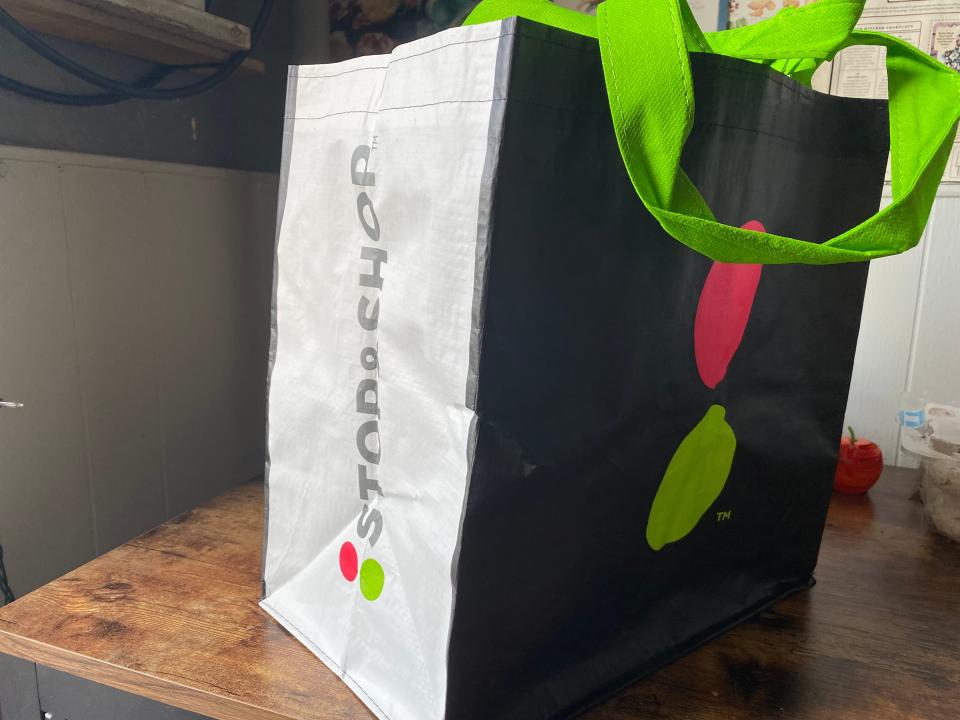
x,y
565,315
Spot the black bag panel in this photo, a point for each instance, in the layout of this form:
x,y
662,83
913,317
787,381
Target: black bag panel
x,y
591,294
565,603
764,145
587,381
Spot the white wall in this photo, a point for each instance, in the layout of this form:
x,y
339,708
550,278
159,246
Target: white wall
x,y
134,306
910,331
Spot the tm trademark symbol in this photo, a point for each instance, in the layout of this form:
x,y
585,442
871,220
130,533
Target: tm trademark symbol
x,y
724,515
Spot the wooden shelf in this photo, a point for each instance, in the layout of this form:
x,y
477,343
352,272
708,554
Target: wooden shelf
x,y
166,31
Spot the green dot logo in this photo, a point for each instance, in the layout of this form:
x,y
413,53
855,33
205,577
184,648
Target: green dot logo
x,y
371,579
370,572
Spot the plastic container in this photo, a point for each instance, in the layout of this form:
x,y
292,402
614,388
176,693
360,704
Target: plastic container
x,y
931,432
940,490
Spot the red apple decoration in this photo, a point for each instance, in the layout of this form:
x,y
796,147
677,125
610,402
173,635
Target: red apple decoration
x,y
859,466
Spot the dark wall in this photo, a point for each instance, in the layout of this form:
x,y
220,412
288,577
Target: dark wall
x,y
236,125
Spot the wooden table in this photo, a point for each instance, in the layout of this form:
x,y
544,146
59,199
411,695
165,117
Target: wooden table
x,y
173,616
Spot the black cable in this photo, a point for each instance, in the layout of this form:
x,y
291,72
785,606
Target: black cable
x,y
54,56
5,590
51,54
119,90
149,80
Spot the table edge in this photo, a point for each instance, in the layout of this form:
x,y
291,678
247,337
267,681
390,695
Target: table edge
x,y
168,692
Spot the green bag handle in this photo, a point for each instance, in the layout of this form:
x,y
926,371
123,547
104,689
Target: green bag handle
x,y
644,47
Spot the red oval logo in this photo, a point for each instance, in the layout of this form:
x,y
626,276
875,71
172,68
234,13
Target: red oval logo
x,y
349,562
722,314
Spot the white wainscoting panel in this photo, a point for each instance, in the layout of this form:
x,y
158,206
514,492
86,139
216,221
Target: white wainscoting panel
x,y
910,332
134,311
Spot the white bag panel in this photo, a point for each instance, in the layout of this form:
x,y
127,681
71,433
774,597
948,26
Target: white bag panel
x,y
313,478
326,89
434,108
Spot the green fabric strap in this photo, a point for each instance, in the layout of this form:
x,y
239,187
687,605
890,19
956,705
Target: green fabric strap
x,y
644,47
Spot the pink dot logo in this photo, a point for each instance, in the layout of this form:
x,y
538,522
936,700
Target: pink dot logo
x,y
349,563
722,314
370,571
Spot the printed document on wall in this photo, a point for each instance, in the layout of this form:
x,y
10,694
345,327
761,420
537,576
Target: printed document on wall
x,y
931,25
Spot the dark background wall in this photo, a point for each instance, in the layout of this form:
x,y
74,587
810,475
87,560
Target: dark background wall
x,y
236,125
134,298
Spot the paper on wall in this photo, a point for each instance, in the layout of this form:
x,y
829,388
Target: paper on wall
x,y
711,15
748,12
931,25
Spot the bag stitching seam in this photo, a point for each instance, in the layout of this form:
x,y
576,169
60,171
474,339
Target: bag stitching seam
x,y
602,28
409,57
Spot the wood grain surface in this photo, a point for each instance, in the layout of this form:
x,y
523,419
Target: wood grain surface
x,y
164,31
173,616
